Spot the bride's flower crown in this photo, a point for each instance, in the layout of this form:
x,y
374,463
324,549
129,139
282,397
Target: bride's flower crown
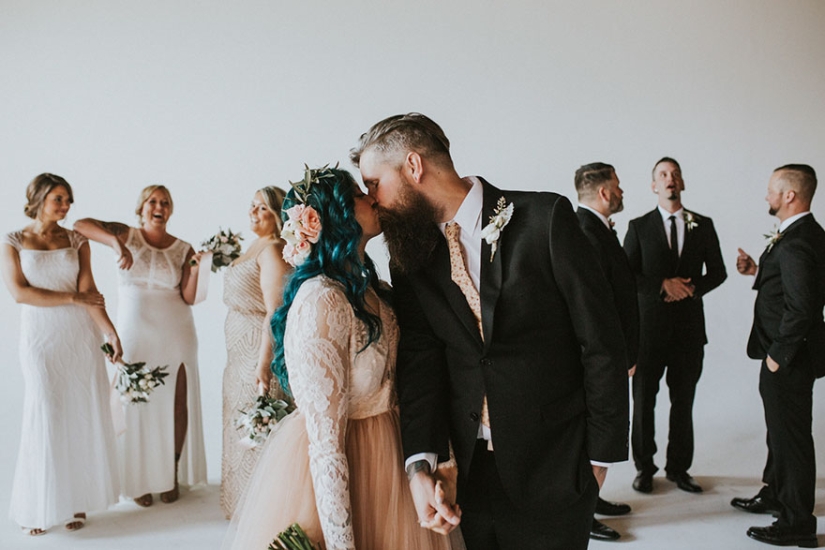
x,y
302,226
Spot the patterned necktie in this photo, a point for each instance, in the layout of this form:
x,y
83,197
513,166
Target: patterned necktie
x,y
460,276
674,243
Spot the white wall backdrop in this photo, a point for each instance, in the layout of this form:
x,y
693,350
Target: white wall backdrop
x,y
216,99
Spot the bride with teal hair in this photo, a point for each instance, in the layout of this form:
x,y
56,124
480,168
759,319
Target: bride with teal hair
x,y
334,466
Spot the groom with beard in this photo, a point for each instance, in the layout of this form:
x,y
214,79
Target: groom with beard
x,y
511,353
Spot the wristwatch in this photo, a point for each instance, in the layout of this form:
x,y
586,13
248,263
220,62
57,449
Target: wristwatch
x,y
417,466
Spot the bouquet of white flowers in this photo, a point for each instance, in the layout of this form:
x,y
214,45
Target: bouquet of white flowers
x,y
293,538
134,381
257,421
225,247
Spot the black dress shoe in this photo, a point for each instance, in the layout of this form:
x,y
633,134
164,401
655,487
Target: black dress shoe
x,y
755,505
607,508
782,536
600,531
685,482
643,482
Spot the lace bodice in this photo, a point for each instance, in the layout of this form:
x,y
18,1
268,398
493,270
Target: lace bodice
x,y
50,269
333,381
155,268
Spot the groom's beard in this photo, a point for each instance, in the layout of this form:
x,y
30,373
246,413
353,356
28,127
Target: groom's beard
x,y
410,230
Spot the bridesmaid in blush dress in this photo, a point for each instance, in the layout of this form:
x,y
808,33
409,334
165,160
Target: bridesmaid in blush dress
x,y
67,464
163,442
253,288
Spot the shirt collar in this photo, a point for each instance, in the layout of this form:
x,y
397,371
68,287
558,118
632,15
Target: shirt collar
x,y
788,221
666,215
468,215
605,220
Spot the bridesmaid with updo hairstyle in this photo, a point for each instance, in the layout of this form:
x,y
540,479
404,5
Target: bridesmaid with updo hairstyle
x,y
253,288
162,446
67,463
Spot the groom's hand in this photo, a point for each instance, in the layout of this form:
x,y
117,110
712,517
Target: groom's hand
x,y
435,512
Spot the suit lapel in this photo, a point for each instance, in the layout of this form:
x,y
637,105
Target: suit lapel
x,y
658,228
768,249
439,271
491,265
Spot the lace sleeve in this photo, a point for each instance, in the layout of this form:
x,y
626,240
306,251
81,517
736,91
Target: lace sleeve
x,y
316,347
12,239
76,239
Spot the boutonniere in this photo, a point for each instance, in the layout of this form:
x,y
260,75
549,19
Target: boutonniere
x,y
492,232
691,220
773,237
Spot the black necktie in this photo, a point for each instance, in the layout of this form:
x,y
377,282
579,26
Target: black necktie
x,y
674,243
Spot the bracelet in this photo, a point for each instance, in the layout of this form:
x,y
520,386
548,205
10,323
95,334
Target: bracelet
x,y
417,466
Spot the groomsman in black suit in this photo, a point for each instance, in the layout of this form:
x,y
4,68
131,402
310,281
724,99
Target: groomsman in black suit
x,y
600,197
676,258
788,336
507,349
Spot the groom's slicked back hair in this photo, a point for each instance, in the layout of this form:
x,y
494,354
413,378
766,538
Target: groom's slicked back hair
x,y
404,133
801,177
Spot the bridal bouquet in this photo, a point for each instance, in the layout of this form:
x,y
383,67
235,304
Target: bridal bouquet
x,y
293,538
134,381
257,421
225,247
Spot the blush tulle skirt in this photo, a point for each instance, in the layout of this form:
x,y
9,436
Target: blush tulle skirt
x,y
281,493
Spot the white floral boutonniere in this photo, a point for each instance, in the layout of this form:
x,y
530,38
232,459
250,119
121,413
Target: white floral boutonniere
x,y
691,220
773,237
492,232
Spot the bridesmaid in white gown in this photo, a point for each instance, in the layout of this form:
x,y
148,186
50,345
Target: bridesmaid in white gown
x,y
253,286
335,465
163,442
67,463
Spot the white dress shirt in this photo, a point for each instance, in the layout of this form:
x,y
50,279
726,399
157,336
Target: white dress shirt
x,y
788,221
680,226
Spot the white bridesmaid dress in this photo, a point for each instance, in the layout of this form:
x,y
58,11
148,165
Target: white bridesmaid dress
x,y
67,461
156,326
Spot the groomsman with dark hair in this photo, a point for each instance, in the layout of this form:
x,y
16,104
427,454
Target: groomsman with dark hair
x,y
600,197
675,256
788,336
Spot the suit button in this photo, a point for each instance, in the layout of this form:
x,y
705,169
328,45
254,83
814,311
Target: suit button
x,y
474,416
486,362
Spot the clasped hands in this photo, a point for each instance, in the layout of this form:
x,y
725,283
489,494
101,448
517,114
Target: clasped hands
x,y
677,288
434,498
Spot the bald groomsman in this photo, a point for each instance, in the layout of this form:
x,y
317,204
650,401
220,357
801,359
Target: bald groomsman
x,y
788,336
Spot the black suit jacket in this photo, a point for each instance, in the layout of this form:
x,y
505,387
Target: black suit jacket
x,y
552,360
617,270
787,320
648,252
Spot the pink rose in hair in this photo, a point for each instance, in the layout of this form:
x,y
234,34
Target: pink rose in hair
x,y
310,224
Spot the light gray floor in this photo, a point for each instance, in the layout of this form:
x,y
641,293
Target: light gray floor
x,y
668,518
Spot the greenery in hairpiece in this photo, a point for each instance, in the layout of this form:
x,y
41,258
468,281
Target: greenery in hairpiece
x,y
311,176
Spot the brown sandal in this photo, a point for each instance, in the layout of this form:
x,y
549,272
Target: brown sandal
x,y
145,501
77,522
171,496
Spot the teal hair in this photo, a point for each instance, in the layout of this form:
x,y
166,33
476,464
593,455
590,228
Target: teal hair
x,y
335,255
